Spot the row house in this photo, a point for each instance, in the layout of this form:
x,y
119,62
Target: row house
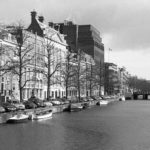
x,y
55,30
112,82
86,63
35,47
124,77
80,69
36,42
116,80
56,44
7,80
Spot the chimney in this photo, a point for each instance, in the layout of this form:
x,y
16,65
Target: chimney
x,y
51,24
56,27
33,15
41,19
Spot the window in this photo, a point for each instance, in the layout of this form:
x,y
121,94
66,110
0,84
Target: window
x,y
28,93
2,87
52,93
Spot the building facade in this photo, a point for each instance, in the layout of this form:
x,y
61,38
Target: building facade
x,y
84,37
112,82
124,84
41,41
33,75
53,38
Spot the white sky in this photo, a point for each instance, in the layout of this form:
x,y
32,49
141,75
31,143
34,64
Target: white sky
x,y
124,25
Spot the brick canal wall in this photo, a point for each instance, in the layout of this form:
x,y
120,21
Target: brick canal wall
x,y
56,109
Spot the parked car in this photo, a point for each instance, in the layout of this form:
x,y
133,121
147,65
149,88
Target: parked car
x,y
89,99
93,97
29,105
98,98
37,101
55,102
106,97
84,99
2,109
66,102
60,100
47,103
9,107
19,106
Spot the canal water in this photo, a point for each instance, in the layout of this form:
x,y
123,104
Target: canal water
x,y
118,126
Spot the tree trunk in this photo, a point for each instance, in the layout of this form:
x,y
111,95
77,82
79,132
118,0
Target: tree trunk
x,y
20,74
66,89
48,78
100,74
48,89
91,81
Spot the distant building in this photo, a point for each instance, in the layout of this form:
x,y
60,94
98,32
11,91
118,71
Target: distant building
x,y
112,82
124,77
84,37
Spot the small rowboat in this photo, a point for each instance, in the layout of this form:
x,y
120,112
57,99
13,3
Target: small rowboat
x,y
75,107
18,118
102,102
43,115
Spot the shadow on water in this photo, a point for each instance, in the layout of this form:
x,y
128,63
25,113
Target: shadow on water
x,y
118,126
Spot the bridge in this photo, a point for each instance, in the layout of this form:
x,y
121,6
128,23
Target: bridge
x,y
141,95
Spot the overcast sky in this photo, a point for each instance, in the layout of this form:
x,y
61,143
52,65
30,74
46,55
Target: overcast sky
x,y
124,25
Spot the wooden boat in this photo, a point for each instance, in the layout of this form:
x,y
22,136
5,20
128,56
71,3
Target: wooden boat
x,y
122,98
86,105
75,107
47,114
102,102
18,118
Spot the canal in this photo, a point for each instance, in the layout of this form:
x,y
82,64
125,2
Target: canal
x,y
118,126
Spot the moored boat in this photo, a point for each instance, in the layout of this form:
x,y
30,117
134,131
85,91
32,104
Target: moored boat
x,y
75,107
86,105
18,118
122,98
47,114
102,102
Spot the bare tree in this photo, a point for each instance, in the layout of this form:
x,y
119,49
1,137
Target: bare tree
x,y
138,84
90,78
99,76
80,73
67,71
51,64
19,56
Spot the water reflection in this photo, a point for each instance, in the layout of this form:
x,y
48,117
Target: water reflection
x,y
119,126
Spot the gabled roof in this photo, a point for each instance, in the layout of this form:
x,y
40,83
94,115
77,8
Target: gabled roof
x,y
44,30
